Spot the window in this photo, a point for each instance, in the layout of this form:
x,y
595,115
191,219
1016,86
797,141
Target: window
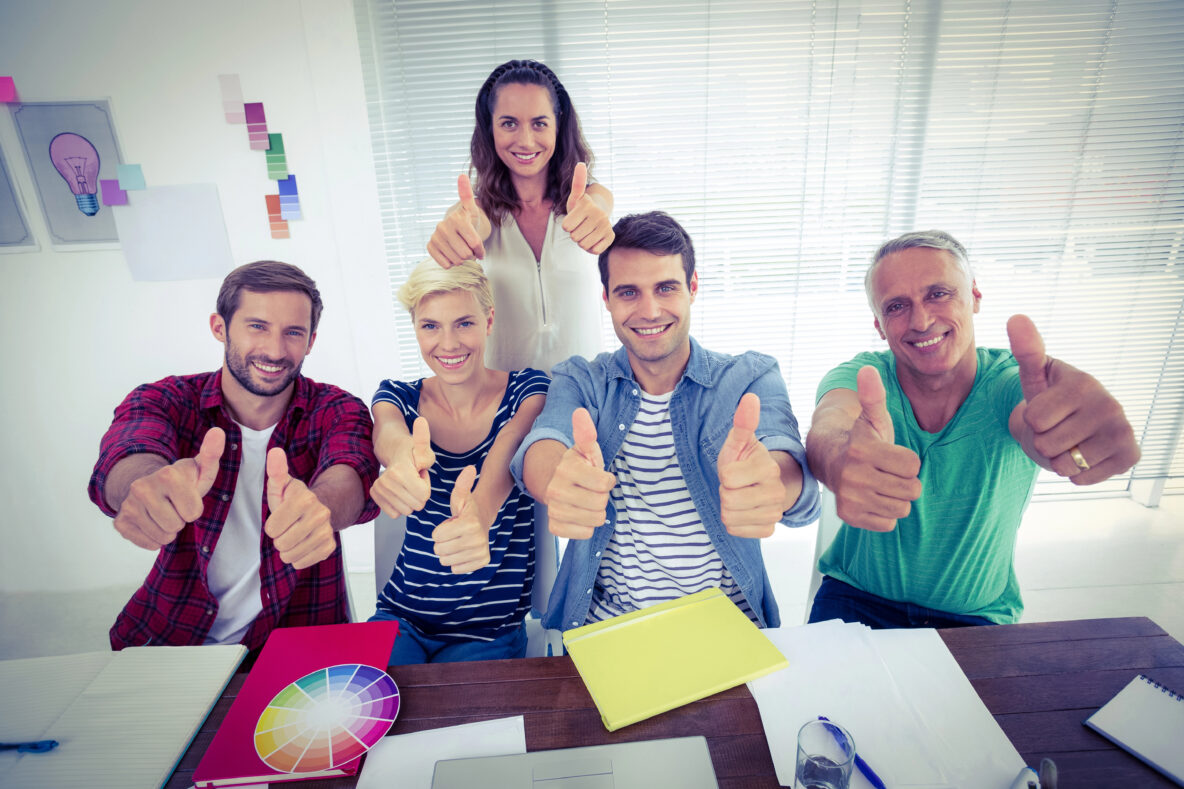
x,y
791,138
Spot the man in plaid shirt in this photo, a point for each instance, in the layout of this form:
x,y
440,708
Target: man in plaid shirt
x,y
239,478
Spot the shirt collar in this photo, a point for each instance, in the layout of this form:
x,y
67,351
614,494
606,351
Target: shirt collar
x,y
701,367
211,395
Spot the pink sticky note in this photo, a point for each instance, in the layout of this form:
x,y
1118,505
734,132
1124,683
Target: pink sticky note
x,y
7,89
112,194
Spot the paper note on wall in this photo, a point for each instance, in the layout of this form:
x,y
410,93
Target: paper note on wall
x,y
174,233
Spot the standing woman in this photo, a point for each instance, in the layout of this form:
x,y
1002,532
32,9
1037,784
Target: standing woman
x,y
534,220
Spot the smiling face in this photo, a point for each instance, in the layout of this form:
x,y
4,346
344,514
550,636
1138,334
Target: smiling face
x,y
524,129
451,329
650,303
266,341
925,304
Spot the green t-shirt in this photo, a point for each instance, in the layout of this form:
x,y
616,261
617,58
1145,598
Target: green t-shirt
x,y
954,552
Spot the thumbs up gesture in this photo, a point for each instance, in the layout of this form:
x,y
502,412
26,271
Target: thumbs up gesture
x,y
461,234
404,486
158,505
462,542
577,496
1067,421
587,221
876,480
298,524
750,489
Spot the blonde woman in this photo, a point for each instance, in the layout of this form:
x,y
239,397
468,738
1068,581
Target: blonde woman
x,y
461,584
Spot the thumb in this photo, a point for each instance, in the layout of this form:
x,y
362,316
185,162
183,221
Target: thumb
x,y
421,444
463,490
464,189
743,433
583,432
277,477
1027,346
207,459
579,182
874,402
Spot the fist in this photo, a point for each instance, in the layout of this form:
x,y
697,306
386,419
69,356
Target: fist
x,y
750,489
299,524
577,496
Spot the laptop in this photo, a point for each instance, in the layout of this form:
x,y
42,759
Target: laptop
x,y
681,761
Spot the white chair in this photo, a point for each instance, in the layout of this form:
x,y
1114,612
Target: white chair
x,y
540,642
828,527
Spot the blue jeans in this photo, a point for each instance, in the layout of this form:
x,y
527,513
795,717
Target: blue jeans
x,y
412,646
838,600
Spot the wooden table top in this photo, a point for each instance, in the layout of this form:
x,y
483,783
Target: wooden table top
x,y
1039,680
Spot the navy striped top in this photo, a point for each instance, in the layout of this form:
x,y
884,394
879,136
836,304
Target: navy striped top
x,y
477,606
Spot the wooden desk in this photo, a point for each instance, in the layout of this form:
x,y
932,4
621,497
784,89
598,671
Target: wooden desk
x,y
1040,681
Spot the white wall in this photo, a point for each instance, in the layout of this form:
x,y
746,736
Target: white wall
x,y
78,333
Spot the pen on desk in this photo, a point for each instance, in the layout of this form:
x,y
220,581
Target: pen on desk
x,y
863,766
40,746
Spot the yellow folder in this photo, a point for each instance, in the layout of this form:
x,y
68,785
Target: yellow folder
x,y
645,662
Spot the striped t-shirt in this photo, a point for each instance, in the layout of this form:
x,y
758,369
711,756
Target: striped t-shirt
x,y
481,605
659,550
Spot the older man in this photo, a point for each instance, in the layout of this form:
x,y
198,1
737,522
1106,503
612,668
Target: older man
x,y
932,448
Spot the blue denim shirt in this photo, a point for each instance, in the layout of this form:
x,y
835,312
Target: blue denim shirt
x,y
701,411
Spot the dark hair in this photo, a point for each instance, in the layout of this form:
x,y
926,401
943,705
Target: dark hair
x,y
495,191
267,276
655,232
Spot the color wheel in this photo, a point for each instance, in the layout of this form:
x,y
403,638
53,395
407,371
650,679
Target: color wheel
x,y
326,719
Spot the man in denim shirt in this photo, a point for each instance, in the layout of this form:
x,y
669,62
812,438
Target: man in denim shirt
x,y
704,455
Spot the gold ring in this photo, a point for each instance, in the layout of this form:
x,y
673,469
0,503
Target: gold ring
x,y
1078,458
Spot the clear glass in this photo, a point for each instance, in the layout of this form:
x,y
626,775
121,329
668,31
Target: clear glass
x,y
826,754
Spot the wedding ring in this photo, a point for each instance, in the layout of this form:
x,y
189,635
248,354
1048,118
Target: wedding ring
x,y
1078,458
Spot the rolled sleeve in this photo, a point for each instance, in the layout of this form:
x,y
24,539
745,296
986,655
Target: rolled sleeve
x,y
778,431
348,431
554,422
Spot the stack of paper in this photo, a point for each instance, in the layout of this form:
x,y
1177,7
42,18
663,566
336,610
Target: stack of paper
x,y
914,715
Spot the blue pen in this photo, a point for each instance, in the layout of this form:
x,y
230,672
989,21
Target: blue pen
x,y
40,746
863,766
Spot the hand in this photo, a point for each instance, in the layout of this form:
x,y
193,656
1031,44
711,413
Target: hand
x,y
876,480
158,505
577,497
462,543
586,221
404,486
750,490
1065,408
457,237
299,523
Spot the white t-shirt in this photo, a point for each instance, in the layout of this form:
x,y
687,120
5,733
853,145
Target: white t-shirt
x,y
547,310
233,574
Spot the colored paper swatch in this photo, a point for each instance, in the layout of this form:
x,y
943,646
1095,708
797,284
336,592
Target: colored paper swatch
x,y
288,186
112,194
326,719
130,176
279,227
277,162
7,89
256,125
232,98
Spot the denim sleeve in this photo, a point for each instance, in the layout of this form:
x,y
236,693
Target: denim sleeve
x,y
554,421
778,430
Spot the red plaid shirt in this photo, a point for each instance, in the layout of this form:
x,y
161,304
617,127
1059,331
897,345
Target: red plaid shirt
x,y
323,426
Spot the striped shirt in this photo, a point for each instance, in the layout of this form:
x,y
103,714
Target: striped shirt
x,y
486,603
659,550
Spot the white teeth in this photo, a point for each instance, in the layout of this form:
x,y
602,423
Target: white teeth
x,y
268,368
648,332
526,157
452,360
928,343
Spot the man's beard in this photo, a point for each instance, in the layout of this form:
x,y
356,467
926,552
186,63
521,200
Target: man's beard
x,y
240,368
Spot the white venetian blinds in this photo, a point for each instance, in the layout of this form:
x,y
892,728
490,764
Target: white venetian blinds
x,y
790,138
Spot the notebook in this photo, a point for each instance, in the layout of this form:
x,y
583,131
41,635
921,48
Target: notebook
x,y
123,719
684,762
316,699
1146,719
646,662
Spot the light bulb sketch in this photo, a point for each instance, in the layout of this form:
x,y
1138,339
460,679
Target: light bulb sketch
x,y
78,162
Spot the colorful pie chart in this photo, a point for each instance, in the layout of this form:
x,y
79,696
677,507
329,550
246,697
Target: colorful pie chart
x,y
326,719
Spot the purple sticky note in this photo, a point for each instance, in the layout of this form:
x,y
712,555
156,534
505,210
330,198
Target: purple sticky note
x,y
7,89
112,194
288,185
254,112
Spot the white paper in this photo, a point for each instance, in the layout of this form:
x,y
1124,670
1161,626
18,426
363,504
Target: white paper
x,y
408,760
836,671
976,751
174,233
130,723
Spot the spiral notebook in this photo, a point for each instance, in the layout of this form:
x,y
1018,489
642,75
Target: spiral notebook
x,y
1146,719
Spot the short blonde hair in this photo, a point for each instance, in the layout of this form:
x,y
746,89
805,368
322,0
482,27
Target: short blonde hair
x,y
428,278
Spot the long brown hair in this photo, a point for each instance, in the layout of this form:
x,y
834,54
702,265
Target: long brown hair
x,y
495,190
